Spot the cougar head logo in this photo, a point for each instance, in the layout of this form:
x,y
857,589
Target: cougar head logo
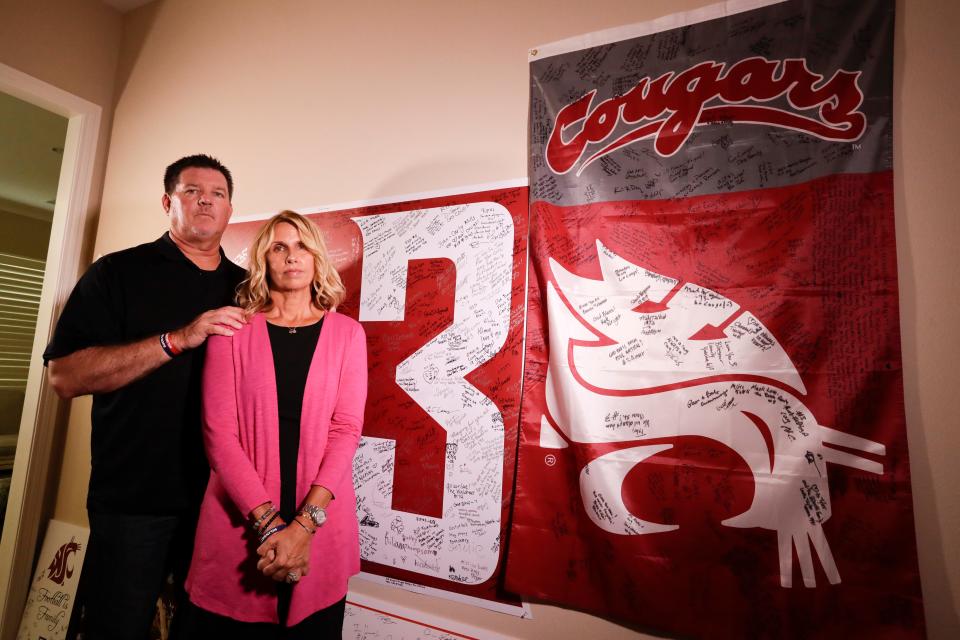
x,y
639,356
60,569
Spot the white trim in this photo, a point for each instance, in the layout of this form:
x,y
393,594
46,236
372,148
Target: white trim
x,y
639,29
407,197
415,616
520,611
41,407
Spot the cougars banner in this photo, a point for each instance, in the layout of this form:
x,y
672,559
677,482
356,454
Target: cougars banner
x,y
438,284
712,429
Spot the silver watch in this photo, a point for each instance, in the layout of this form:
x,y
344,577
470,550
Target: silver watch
x,y
316,514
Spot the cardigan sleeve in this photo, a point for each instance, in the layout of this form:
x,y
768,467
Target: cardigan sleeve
x,y
221,428
346,423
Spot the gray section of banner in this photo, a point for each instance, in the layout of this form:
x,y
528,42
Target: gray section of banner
x,y
853,35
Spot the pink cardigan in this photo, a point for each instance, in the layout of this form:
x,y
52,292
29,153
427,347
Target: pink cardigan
x,y
241,433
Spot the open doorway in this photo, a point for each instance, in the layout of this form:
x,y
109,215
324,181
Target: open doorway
x,y
25,516
31,153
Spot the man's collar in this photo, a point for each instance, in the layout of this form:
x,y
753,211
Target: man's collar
x,y
169,249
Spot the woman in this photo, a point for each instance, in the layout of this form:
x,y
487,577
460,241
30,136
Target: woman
x,y
283,409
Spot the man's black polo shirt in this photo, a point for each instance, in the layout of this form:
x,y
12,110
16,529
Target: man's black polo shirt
x,y
146,441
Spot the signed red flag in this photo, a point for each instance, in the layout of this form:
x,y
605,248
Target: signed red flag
x,y
712,429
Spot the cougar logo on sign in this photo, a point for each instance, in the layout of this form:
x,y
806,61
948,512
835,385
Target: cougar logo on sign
x,y
60,568
640,356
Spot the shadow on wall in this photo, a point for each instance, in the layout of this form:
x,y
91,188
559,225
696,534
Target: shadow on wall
x,y
137,26
938,595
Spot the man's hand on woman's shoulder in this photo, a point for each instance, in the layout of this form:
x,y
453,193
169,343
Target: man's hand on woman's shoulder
x,y
224,321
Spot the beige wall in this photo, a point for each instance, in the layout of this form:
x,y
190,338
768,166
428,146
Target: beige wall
x,y
927,121
73,45
313,103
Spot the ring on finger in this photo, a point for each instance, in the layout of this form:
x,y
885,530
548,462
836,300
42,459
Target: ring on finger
x,y
293,577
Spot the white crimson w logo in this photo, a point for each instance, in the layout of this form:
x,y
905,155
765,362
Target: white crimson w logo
x,y
631,359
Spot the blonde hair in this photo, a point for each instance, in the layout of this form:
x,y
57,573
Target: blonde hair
x,y
327,289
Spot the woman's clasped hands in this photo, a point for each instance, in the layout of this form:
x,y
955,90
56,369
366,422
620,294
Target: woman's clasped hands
x,y
284,551
286,554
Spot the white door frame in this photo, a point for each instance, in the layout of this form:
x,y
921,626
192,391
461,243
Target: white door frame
x,y
40,405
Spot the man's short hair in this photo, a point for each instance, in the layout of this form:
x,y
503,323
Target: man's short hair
x,y
201,160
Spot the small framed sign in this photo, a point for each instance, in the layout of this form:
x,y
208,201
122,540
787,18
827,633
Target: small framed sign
x,y
46,614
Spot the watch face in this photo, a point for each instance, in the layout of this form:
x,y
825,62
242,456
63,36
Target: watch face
x,y
317,514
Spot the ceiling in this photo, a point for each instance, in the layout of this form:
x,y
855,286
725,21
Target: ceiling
x,y
31,150
126,5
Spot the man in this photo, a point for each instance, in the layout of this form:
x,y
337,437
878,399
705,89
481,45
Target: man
x,y
132,334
